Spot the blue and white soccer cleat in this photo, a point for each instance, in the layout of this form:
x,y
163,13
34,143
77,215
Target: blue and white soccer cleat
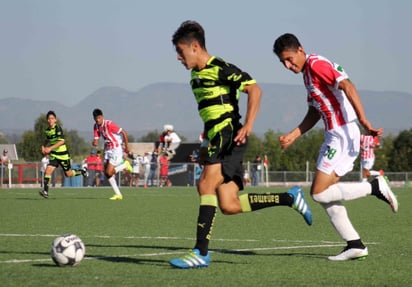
x,y
299,203
193,259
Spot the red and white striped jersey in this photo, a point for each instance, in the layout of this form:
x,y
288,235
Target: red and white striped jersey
x,y
367,146
321,78
110,132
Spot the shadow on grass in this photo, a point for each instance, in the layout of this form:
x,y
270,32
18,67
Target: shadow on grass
x,y
130,260
249,253
142,259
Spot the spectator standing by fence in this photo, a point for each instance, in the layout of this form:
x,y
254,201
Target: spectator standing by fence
x,y
99,168
153,169
256,169
164,170
91,161
146,168
4,163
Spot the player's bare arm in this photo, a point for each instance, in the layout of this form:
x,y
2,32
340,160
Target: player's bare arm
x,y
254,96
350,90
308,122
125,140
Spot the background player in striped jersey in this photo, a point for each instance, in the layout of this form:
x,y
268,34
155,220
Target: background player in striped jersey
x,y
334,98
367,149
56,148
216,86
114,140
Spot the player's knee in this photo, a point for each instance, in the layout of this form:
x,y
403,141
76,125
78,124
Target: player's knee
x,y
321,197
230,208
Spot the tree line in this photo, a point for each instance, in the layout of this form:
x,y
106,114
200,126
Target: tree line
x,y
393,155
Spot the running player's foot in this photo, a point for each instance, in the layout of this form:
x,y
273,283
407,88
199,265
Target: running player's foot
x,y
385,193
129,167
350,254
299,203
84,172
116,197
44,193
193,259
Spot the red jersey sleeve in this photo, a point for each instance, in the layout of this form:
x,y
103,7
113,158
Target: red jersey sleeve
x,y
325,72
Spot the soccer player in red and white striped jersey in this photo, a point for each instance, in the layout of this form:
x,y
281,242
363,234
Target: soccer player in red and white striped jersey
x,y
334,98
114,137
367,148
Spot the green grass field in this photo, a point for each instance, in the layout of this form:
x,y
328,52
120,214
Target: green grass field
x,y
129,242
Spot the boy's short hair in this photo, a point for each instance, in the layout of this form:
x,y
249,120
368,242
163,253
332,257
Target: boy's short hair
x,y
50,113
188,32
97,112
286,42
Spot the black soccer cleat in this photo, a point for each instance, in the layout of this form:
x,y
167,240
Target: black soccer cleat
x,y
44,193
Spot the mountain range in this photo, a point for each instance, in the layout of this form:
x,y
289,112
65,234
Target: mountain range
x,y
283,107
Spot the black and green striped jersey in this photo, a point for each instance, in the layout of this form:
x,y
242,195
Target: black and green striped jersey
x,y
54,135
217,88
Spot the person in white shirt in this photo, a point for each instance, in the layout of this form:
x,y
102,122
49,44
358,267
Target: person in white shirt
x,y
146,168
172,140
136,163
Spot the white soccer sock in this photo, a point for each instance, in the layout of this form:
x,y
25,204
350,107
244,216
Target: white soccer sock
x,y
120,167
374,172
340,220
113,183
343,191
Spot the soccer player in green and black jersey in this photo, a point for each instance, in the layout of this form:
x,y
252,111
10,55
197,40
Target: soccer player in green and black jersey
x,y
59,155
216,86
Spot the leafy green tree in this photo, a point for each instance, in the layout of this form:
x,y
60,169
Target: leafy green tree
x,y
271,148
149,137
153,136
131,138
29,147
2,139
255,147
401,153
383,153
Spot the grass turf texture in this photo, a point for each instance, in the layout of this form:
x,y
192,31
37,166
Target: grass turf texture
x,y
129,242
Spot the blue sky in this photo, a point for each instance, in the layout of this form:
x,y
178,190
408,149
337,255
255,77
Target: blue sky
x,y
65,50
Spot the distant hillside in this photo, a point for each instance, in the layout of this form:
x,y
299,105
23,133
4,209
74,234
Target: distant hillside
x,y
283,107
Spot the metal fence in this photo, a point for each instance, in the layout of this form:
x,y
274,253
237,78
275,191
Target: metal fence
x,y
180,174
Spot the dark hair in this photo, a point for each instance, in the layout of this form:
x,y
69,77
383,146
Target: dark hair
x,y
286,42
97,112
50,113
188,32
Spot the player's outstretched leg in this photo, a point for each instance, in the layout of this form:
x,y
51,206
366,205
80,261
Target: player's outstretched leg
x,y
300,204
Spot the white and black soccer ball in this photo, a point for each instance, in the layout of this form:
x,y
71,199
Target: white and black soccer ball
x,y
67,250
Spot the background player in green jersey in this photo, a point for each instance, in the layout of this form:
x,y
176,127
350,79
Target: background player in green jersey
x,y
216,86
55,146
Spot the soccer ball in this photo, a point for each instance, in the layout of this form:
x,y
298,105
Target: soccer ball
x,y
67,250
